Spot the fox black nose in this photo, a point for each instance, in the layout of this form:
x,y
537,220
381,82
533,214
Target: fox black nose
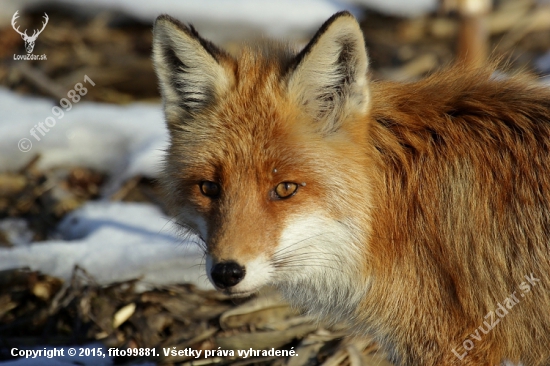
x,y
227,274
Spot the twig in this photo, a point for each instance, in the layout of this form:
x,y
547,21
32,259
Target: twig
x,y
41,80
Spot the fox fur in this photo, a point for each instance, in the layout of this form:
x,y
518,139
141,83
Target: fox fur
x,y
421,208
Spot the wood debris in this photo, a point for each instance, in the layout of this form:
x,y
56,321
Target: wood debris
x,y
39,309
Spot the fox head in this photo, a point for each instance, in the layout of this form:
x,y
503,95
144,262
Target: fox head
x,y
268,161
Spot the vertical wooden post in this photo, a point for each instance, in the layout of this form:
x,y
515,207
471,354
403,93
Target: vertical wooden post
x,y
473,38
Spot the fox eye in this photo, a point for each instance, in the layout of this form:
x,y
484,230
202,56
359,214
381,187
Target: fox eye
x,y
284,190
210,189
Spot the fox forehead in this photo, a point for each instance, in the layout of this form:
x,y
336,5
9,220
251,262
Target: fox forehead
x,y
257,94
239,144
253,126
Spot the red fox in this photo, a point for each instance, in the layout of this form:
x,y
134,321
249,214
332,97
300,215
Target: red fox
x,y
417,213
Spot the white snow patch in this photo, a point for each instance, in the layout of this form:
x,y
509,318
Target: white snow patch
x,y
126,140
115,242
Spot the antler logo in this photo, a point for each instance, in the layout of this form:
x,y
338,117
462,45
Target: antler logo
x,y
29,41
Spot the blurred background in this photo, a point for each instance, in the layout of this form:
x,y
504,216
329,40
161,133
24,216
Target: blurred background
x,y
88,254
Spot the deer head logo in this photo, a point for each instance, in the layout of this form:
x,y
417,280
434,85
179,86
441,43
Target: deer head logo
x,y
29,40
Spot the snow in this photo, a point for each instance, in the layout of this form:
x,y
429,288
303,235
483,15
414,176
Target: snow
x,y
218,20
274,18
224,20
115,241
127,140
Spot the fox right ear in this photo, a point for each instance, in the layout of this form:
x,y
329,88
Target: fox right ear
x,y
190,69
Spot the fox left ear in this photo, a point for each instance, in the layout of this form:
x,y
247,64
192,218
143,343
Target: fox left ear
x,y
329,76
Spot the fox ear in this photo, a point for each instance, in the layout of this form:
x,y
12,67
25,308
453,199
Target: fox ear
x,y
190,69
329,76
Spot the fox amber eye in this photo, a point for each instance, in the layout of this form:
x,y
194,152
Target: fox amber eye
x,y
285,190
210,189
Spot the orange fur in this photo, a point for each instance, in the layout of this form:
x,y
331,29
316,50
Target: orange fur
x,y
421,207
463,215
